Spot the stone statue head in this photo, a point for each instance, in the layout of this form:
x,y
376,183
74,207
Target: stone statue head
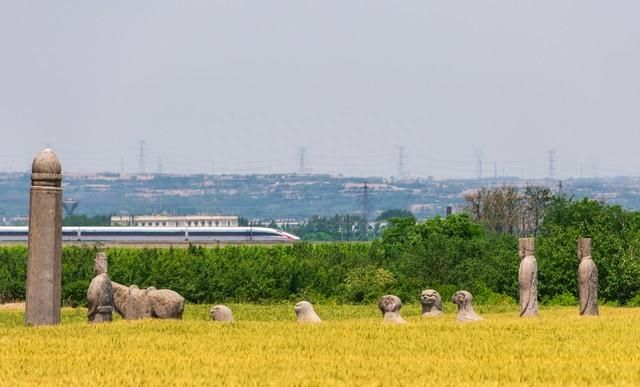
x,y
584,248
431,298
305,312
100,265
221,313
526,247
463,299
389,304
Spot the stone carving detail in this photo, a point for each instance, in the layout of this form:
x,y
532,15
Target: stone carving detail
x,y
528,278
463,299
44,265
221,313
431,303
390,307
587,279
100,292
305,313
133,303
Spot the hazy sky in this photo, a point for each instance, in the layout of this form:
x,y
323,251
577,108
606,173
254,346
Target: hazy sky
x,y
240,86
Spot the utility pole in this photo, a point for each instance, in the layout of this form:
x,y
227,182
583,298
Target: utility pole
x,y
495,170
159,171
141,158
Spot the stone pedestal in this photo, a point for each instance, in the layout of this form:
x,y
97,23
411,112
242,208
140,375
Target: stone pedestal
x,y
44,267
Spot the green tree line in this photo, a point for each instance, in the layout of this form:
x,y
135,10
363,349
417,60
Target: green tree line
x,y
445,253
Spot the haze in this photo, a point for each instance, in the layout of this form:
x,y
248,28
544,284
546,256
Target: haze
x,y
241,86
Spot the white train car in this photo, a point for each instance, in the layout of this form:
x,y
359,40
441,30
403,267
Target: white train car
x,y
158,234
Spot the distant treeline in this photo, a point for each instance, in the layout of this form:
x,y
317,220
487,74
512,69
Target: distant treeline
x,y
443,253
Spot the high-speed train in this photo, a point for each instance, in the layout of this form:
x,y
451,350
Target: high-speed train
x,y
157,234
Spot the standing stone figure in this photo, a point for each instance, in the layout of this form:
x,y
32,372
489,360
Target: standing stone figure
x,y
528,278
463,299
431,303
305,313
100,292
587,279
44,267
221,313
133,303
390,307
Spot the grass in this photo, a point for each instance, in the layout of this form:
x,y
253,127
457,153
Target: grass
x,y
351,347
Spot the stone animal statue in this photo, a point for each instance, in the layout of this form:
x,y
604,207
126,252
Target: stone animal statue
x,y
463,299
133,303
100,292
221,313
587,279
431,303
390,307
528,278
305,313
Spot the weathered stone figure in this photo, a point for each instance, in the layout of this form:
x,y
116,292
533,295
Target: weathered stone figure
x,y
221,313
305,313
528,278
390,307
100,292
44,267
587,279
133,303
463,299
431,303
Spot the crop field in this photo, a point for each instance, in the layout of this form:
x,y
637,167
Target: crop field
x,y
350,347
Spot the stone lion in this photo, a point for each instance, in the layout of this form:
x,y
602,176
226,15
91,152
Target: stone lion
x,y
133,303
305,313
221,313
463,299
431,303
390,307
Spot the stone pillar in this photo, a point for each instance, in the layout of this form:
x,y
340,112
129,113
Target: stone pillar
x,y
44,267
528,278
587,279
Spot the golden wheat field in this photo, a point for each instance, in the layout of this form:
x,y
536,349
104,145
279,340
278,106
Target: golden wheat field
x,y
351,347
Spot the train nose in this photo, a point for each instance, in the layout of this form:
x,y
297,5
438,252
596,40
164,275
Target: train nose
x,y
290,236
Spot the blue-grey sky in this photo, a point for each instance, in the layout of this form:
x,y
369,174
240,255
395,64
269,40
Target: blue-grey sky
x,y
240,86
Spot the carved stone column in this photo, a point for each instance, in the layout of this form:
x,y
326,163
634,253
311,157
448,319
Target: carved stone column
x,y
44,267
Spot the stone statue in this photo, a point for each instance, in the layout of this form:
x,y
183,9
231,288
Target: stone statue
x,y
221,313
463,299
305,313
100,292
587,279
528,278
390,307
431,303
133,303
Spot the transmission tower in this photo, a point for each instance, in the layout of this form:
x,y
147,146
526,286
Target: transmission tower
x,y
365,210
302,153
159,171
402,163
479,163
141,158
552,163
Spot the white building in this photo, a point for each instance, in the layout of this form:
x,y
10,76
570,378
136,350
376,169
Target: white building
x,y
175,221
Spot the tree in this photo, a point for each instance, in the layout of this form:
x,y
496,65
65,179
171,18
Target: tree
x,y
395,213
